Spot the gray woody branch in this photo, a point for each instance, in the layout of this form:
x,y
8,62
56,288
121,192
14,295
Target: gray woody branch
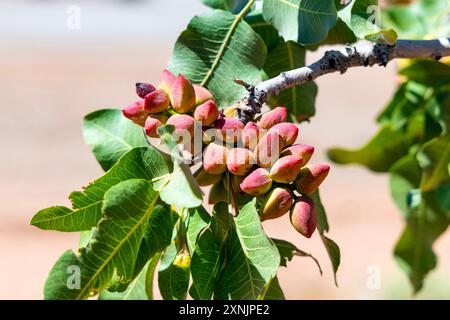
x,y
364,54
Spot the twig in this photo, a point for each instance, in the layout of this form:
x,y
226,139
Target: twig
x,y
363,54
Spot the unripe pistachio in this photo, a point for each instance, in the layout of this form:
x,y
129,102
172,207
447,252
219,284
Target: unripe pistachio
x,y
273,117
205,179
182,260
156,101
143,89
286,169
218,193
288,133
257,183
268,149
201,94
206,113
215,158
152,124
231,112
166,80
251,135
240,161
182,95
310,178
136,113
301,151
303,216
276,203
184,126
229,129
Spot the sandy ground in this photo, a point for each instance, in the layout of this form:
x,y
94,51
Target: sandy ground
x,y
47,87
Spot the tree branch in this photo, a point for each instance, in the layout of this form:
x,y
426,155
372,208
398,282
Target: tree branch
x,y
364,54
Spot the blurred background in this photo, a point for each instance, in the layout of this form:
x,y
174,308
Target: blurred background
x,y
54,70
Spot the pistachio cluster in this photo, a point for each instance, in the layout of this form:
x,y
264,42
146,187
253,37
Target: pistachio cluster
x,y
260,158
270,166
174,101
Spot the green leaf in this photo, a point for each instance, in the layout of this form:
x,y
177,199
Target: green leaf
x,y
404,176
111,135
209,253
64,219
339,34
198,219
220,222
442,196
384,36
361,17
182,190
141,288
264,29
334,253
85,237
408,98
439,109
110,256
143,162
216,48
299,100
274,291
139,163
429,72
157,236
149,277
302,21
173,279
414,250
63,280
287,251
135,290
114,248
233,6
206,264
322,220
434,158
418,20
252,258
380,153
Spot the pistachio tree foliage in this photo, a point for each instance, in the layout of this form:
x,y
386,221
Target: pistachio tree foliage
x,y
188,215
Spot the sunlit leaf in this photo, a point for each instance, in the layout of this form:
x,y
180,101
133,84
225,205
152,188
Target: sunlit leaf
x,y
302,21
383,150
233,6
434,158
173,279
215,48
334,253
414,250
252,259
109,257
111,135
299,100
